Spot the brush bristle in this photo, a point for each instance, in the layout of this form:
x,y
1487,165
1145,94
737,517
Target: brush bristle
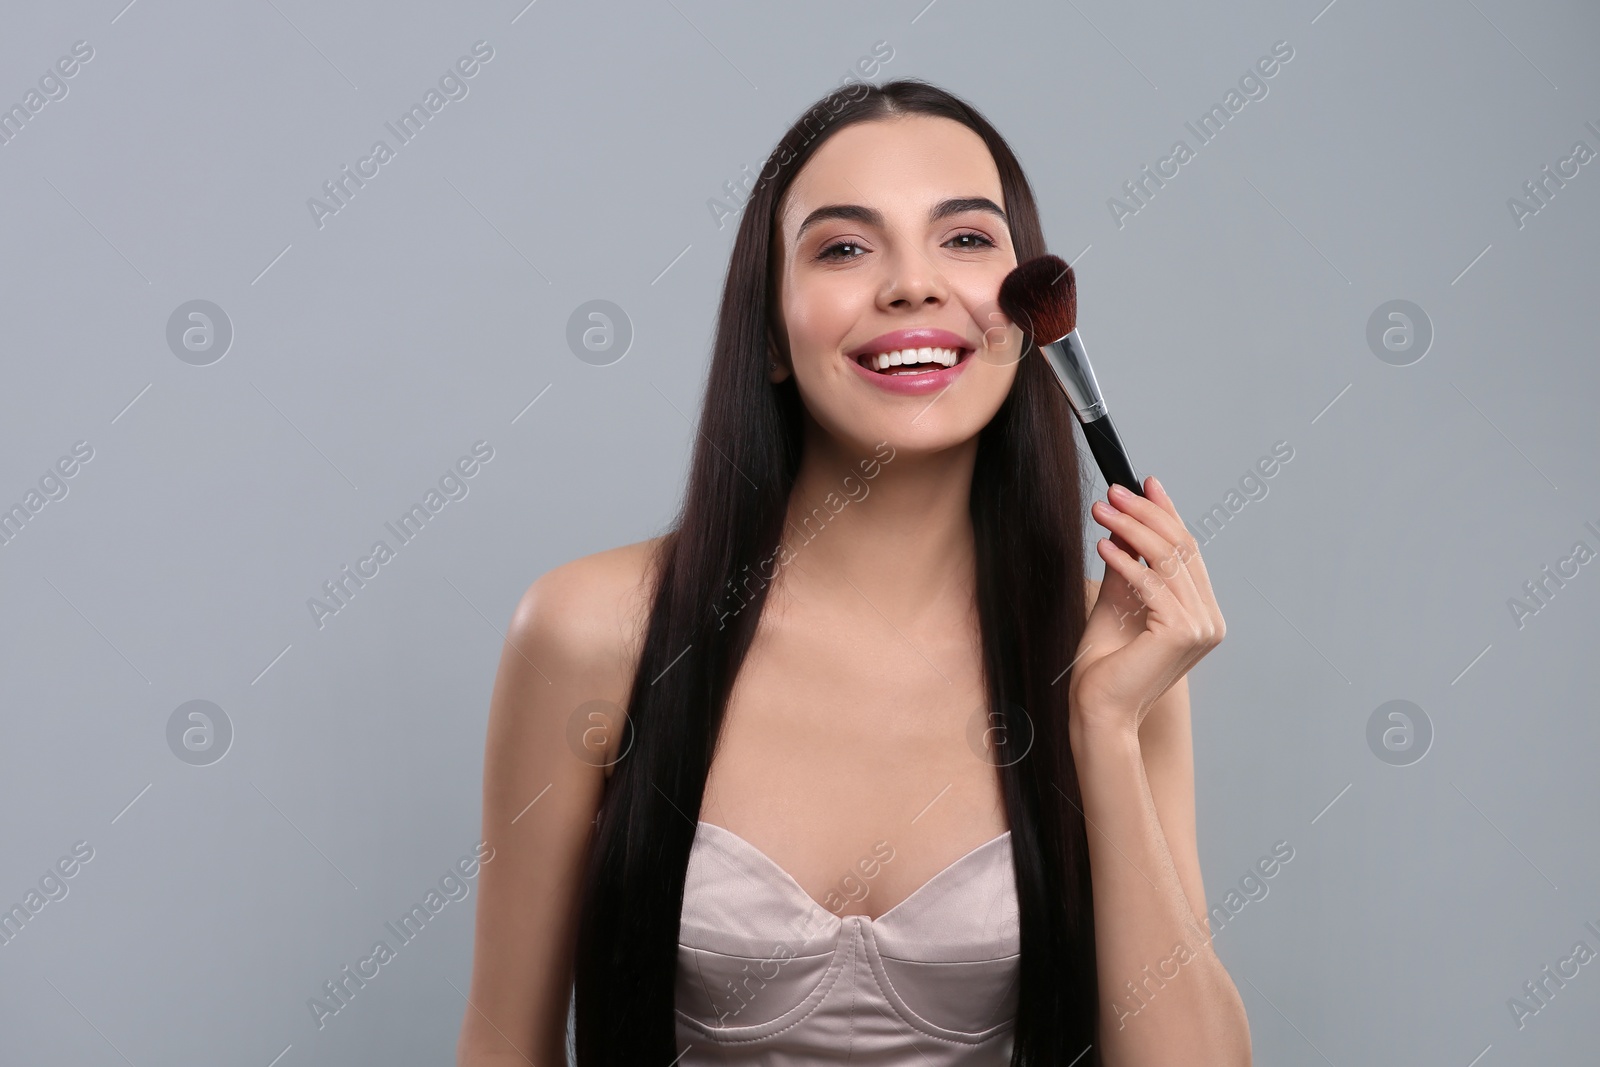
x,y
1041,296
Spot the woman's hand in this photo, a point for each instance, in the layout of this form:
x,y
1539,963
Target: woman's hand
x,y
1151,623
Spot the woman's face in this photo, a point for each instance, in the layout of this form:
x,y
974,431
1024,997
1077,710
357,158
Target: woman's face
x,y
895,225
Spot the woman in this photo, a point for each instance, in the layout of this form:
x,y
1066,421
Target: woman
x,y
872,704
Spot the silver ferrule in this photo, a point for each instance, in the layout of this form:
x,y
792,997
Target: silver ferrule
x,y
1070,365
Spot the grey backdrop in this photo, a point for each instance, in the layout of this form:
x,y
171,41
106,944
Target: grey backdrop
x,y
220,483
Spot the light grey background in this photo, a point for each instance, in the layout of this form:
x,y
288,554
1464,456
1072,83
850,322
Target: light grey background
x,y
1228,314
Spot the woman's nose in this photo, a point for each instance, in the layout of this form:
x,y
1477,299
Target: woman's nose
x,y
914,281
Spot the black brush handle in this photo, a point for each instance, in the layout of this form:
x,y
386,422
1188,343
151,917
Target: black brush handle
x,y
1115,466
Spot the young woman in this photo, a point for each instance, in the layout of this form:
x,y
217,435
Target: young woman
x,y
854,764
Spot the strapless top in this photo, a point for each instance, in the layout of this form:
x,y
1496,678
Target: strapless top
x,y
767,975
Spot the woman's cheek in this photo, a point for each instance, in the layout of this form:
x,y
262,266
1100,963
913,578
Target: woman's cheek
x,y
813,335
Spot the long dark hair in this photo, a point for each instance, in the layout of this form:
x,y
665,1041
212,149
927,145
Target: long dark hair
x,y
1026,508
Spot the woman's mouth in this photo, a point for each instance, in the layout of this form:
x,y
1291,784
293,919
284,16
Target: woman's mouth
x,y
912,360
909,361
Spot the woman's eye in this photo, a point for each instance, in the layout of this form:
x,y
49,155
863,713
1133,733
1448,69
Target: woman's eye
x,y
983,242
827,253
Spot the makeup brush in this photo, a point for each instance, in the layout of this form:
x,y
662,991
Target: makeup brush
x,y
1041,296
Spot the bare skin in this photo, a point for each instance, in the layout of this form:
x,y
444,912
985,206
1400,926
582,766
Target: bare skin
x,y
850,720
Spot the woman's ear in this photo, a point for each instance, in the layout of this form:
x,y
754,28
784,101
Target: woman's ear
x,y
777,363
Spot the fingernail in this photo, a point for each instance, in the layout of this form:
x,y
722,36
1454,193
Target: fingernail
x,y
1120,492
1157,483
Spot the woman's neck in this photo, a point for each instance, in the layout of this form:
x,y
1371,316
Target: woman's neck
x,y
893,525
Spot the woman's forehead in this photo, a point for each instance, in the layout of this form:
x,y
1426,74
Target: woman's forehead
x,y
900,167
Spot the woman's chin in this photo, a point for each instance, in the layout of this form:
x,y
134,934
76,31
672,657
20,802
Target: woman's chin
x,y
925,432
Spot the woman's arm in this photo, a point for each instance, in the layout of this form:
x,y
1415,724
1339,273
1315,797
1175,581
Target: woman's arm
x,y
565,647
1165,996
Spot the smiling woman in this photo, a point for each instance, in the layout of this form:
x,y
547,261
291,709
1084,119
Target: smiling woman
x,y
840,252
894,688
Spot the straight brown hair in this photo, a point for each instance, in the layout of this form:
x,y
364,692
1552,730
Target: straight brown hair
x,y
1026,507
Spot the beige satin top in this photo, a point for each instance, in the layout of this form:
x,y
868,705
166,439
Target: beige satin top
x,y
766,975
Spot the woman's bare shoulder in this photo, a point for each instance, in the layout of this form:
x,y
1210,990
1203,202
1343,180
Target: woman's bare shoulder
x,y
591,612
570,649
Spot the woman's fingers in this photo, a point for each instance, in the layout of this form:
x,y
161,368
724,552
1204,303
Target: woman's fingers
x,y
1157,596
1158,513
1152,591
1164,558
1157,510
1133,676
1128,567
1182,623
1195,564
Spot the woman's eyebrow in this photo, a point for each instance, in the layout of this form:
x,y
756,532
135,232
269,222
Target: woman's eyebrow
x,y
873,217
957,205
852,211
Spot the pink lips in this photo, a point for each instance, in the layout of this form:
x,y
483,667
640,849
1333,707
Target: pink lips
x,y
913,384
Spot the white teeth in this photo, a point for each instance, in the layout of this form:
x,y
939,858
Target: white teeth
x,y
910,356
